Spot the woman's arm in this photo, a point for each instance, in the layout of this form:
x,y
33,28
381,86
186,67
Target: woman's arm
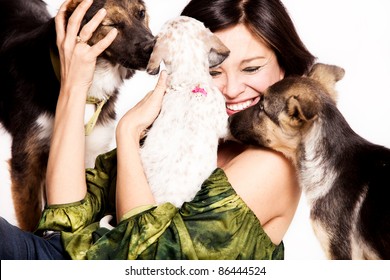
x,y
65,178
132,188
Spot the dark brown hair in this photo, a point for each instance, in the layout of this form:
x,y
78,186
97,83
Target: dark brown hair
x,y
266,19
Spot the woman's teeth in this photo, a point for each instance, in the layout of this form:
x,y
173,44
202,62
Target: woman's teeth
x,y
239,106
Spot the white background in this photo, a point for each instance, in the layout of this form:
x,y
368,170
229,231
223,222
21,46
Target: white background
x,y
354,34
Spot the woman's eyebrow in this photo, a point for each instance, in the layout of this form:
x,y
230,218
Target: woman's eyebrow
x,y
252,58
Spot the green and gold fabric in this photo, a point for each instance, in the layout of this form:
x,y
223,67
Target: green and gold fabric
x,y
216,224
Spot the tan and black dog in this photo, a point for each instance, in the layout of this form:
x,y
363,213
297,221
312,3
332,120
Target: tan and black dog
x,y
29,71
346,179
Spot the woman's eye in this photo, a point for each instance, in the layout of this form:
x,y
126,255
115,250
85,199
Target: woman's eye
x,y
252,69
214,73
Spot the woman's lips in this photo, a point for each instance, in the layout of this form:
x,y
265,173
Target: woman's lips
x,y
232,108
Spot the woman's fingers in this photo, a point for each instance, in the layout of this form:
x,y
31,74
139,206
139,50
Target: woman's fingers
x,y
60,21
155,96
103,44
160,88
161,83
76,18
88,29
150,105
73,35
143,114
78,59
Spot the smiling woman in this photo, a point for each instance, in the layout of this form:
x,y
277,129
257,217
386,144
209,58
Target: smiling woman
x,y
251,69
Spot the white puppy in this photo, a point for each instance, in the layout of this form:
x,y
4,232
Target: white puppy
x,y
180,149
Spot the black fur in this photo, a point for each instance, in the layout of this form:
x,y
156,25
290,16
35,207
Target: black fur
x,y
29,86
356,204
362,167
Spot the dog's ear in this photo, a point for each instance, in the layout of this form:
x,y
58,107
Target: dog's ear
x,y
159,52
218,51
327,75
302,109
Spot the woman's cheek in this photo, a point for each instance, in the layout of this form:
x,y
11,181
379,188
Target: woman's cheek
x,y
261,82
218,82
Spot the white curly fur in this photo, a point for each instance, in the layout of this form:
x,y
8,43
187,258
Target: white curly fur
x,y
180,150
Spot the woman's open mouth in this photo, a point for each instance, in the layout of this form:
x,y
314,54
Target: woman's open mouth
x,y
232,108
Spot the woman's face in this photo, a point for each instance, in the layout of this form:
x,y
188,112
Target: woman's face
x,y
250,68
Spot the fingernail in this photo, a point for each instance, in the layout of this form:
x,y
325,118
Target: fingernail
x,y
103,11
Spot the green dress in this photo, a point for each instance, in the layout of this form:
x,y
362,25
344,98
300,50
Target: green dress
x,y
216,224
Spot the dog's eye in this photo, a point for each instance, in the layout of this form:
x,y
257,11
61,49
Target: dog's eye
x,y
141,14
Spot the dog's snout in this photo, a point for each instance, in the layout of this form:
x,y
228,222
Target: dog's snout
x,y
149,44
138,52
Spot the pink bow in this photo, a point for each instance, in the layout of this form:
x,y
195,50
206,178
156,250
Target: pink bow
x,y
200,90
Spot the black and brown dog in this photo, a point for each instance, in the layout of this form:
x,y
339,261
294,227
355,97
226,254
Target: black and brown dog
x,y
346,179
30,86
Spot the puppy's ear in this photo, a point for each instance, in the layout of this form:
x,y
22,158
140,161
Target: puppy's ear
x,y
218,51
327,75
157,56
302,109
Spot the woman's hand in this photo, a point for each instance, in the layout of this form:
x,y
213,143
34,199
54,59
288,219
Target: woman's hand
x,y
132,188
65,177
78,59
135,122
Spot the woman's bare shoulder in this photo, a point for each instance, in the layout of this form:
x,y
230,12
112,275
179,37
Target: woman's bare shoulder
x,y
267,182
258,163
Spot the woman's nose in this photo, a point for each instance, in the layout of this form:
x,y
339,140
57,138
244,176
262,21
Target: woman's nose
x,y
233,87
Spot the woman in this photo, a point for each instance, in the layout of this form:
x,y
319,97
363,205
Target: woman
x,y
245,207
